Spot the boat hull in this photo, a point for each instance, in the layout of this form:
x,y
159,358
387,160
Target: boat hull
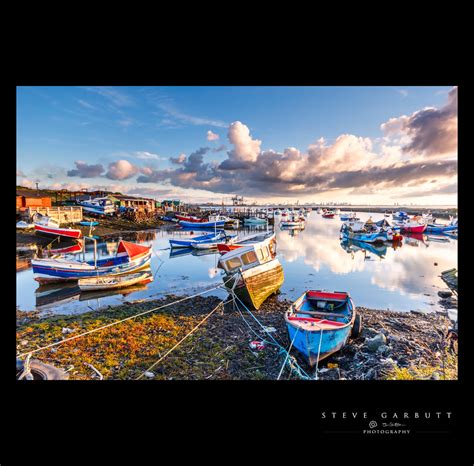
x,y
65,232
185,224
255,285
440,229
110,283
366,237
413,229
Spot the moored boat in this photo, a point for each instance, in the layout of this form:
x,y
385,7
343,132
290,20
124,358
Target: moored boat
x,y
253,273
360,233
328,214
57,231
414,225
245,240
213,222
110,282
187,243
319,323
130,257
255,221
99,206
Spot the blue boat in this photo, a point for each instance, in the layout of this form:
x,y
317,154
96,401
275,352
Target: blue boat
x,y
432,228
368,237
319,323
88,224
185,224
188,243
400,215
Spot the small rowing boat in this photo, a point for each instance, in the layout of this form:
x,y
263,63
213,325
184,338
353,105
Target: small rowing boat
x,y
50,227
110,282
187,243
328,214
255,221
319,323
91,223
246,240
213,222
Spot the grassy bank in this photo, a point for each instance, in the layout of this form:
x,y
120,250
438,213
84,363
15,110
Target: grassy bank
x,y
219,349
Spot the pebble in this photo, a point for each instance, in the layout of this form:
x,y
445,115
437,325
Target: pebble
x,y
149,375
67,330
445,294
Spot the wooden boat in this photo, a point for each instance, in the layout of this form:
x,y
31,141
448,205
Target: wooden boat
x,y
328,214
187,243
109,282
247,240
56,231
24,225
401,215
189,218
130,257
348,216
253,273
319,323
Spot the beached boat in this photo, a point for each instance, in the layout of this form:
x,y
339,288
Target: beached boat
x,y
88,223
246,240
110,282
319,323
253,273
187,243
24,225
130,257
99,206
46,225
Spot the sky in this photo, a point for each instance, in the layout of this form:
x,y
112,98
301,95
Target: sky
x,y
372,145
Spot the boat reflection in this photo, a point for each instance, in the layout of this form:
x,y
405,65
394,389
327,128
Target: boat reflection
x,y
415,239
379,249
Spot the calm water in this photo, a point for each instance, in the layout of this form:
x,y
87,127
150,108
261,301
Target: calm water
x,y
379,277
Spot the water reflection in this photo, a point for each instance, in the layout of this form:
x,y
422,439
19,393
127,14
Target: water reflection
x,y
377,275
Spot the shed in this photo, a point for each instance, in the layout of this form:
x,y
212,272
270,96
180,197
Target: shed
x,y
25,199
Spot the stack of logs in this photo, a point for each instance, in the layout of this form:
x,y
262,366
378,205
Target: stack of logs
x,y
141,216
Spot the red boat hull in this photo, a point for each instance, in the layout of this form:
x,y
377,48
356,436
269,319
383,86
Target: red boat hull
x,y
189,219
328,215
223,248
415,229
66,232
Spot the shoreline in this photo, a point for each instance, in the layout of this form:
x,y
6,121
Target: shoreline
x,y
413,345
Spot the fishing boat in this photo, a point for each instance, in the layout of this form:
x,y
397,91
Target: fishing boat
x,y
228,239
348,216
357,232
328,214
110,282
24,225
130,257
253,272
246,240
413,225
46,225
385,226
319,323
433,228
351,246
188,243
212,222
188,218
401,215
99,206
299,223
255,221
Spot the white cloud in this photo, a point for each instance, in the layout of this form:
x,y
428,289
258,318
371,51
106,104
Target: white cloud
x,y
212,136
121,170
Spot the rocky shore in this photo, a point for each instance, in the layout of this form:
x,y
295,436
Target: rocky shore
x,y
392,345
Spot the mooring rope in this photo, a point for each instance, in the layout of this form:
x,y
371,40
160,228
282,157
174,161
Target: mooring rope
x,y
120,321
288,353
222,303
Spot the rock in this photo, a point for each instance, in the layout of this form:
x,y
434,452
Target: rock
x,y
368,332
149,375
445,294
331,374
435,376
24,342
67,330
388,362
373,343
383,349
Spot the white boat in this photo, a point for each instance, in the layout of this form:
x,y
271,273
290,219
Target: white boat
x,y
99,206
24,226
109,282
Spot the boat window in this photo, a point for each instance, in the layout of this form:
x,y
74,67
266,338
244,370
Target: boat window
x,y
233,263
249,257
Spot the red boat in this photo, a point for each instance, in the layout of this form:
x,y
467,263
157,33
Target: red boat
x,y
56,231
412,228
328,215
189,219
68,250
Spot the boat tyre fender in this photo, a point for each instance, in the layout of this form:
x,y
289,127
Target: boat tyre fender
x,y
42,371
357,327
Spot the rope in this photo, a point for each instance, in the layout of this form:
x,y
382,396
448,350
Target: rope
x,y
288,353
182,339
120,321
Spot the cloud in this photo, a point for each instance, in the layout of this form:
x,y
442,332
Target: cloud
x,y
432,131
121,170
178,160
85,104
403,92
212,136
173,114
84,170
112,94
143,155
20,173
246,149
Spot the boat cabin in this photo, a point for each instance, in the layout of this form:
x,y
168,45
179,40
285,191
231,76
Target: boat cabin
x,y
247,257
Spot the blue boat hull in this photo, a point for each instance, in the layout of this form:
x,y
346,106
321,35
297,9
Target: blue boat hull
x,y
187,243
366,237
433,229
307,343
193,225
